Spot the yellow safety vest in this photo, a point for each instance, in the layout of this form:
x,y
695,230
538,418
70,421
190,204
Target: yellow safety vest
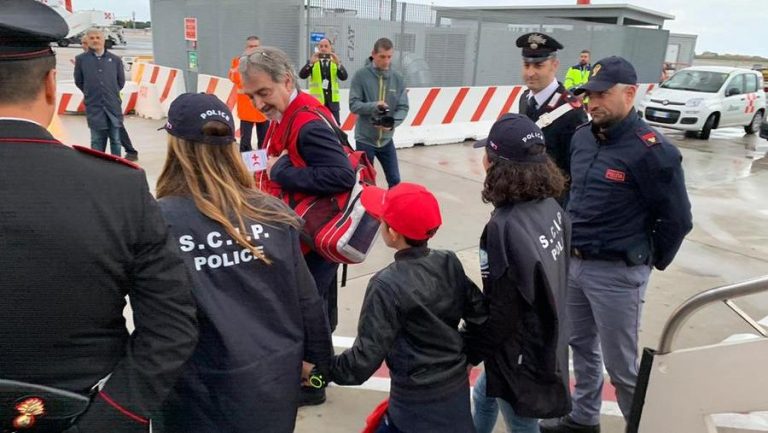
x,y
316,82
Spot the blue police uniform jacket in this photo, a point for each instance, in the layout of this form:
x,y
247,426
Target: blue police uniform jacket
x,y
628,198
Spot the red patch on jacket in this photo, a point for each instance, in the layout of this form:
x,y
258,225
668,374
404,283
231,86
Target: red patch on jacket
x,y
650,139
615,175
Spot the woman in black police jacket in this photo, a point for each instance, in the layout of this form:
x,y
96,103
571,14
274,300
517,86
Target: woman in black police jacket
x,y
259,312
524,261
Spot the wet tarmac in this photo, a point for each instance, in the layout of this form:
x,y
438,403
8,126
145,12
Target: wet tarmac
x,y
727,179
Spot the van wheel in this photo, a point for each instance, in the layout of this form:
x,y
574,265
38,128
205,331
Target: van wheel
x,y
690,134
754,126
108,44
708,125
63,43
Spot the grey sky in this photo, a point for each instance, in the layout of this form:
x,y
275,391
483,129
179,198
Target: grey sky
x,y
733,26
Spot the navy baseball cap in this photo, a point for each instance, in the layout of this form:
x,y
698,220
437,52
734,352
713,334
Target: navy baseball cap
x,y
607,73
538,47
191,111
515,137
27,28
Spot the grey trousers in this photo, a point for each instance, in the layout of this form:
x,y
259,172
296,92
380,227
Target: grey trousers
x,y
605,301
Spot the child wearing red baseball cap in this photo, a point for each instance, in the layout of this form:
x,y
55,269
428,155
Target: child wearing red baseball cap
x,y
410,318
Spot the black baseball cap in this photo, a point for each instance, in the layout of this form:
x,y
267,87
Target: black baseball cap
x,y
515,137
538,47
191,111
27,28
607,73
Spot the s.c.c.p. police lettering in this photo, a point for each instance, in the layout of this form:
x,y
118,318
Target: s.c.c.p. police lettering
x,y
215,250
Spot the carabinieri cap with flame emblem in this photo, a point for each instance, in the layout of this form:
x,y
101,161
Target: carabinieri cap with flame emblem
x,y
538,47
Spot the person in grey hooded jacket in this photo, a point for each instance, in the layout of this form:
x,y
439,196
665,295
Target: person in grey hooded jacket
x,y
379,98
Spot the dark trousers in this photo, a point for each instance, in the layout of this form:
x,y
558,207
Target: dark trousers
x,y
125,141
388,158
99,139
335,112
333,107
386,426
324,273
246,132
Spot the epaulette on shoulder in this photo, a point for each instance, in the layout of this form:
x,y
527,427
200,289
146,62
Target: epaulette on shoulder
x,y
648,136
108,157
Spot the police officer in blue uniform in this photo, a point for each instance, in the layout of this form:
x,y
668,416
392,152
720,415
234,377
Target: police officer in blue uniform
x,y
79,231
546,101
630,212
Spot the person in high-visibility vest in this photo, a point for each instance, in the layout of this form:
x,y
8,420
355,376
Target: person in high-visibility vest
x,y
578,75
324,70
246,112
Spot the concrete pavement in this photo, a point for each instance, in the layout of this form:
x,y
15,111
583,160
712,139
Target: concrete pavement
x,y
726,178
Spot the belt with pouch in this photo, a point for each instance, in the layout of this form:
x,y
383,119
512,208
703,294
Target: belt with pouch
x,y
37,408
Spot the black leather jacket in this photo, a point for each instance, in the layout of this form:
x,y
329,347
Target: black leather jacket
x,y
410,317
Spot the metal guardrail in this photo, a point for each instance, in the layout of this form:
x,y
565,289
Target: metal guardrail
x,y
719,294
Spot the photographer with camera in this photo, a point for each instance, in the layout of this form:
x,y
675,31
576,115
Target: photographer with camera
x,y
326,70
377,95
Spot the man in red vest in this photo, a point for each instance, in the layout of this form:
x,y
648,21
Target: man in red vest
x,y
305,156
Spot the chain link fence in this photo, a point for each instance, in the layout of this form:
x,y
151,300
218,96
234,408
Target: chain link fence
x,y
432,50
434,46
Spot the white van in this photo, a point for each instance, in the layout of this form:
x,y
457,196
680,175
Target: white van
x,y
702,98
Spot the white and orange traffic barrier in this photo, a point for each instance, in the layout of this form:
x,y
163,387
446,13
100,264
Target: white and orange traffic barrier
x,y
158,87
70,98
441,115
224,89
437,115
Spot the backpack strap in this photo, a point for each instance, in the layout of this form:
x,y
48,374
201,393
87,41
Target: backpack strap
x,y
340,135
344,275
331,122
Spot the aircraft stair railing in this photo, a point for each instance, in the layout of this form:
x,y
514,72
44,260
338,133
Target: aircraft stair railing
x,y
681,391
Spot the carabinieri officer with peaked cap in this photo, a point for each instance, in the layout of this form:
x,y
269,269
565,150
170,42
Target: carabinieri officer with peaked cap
x,y
79,231
546,101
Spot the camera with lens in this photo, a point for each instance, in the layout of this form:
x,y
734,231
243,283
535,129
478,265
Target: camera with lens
x,y
324,56
382,118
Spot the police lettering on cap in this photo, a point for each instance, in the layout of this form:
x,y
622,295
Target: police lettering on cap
x,y
607,73
27,28
538,47
408,208
514,137
191,111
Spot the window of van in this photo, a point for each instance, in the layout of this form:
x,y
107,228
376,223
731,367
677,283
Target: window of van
x,y
738,83
751,83
696,81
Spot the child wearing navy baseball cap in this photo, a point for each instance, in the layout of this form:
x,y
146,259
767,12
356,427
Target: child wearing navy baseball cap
x,y
410,319
260,315
524,254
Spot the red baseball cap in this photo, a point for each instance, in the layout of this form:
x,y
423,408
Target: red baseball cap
x,y
408,208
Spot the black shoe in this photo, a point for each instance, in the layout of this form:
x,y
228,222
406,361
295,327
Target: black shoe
x,y
132,156
566,425
311,396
